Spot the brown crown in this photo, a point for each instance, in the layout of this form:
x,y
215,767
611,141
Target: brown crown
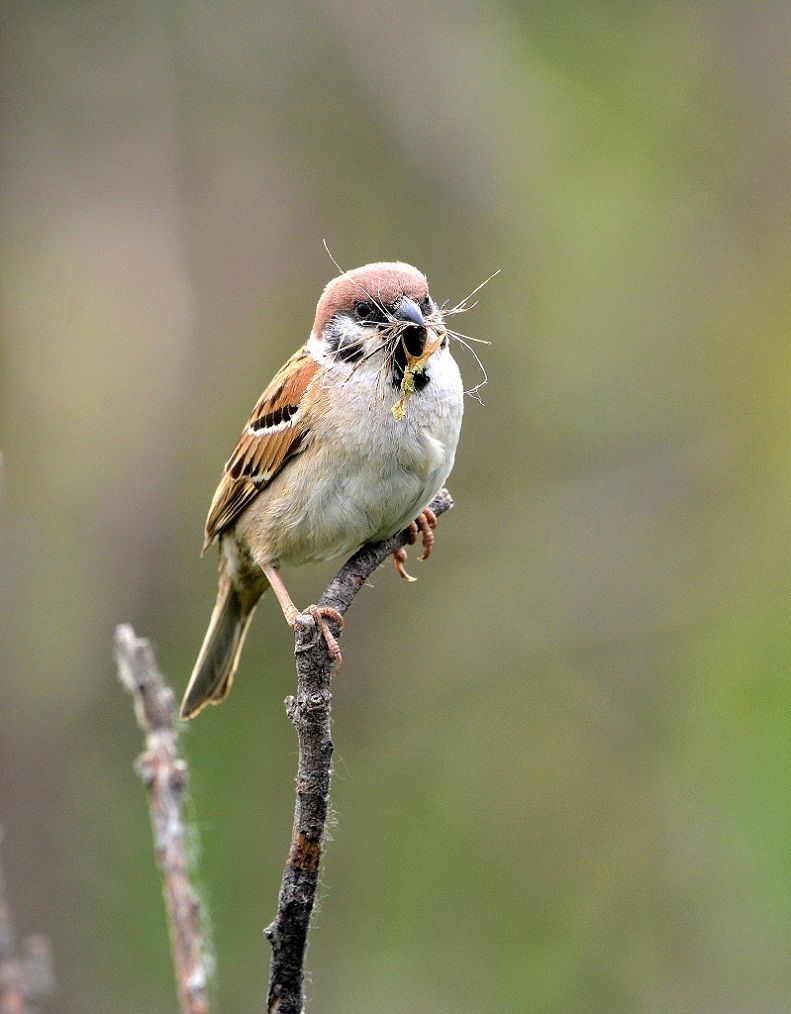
x,y
385,283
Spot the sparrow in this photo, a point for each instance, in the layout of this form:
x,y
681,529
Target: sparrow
x,y
348,444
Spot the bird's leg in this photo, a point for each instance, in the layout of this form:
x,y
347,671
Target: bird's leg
x,y
319,613
290,611
425,523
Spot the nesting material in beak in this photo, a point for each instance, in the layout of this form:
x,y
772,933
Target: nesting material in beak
x,y
414,365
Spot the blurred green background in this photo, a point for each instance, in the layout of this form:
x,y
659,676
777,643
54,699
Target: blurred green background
x,y
563,761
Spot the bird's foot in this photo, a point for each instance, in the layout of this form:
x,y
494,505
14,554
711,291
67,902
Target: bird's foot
x,y
426,521
424,524
321,614
399,557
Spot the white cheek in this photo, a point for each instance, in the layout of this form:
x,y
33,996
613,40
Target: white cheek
x,y
335,366
316,348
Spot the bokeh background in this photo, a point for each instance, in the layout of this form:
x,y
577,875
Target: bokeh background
x,y
563,761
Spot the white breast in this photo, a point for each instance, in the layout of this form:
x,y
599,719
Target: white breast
x,y
365,475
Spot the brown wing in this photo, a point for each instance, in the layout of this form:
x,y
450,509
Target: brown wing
x,y
274,433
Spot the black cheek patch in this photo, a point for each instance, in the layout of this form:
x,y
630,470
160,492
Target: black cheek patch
x,y
349,353
338,344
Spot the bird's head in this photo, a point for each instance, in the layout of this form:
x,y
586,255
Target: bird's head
x,y
379,312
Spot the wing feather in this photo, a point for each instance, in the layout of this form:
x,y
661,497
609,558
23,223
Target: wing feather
x,y
275,433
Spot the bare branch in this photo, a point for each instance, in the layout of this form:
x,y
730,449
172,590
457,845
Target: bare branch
x,y
310,713
23,977
164,774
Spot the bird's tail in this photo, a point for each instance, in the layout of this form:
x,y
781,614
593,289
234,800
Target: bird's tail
x,y
211,678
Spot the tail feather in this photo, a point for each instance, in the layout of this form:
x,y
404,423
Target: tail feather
x,y
213,673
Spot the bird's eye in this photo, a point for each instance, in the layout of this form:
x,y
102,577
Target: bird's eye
x,y
363,309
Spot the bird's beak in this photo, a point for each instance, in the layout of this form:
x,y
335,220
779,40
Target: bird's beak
x,y
410,312
414,336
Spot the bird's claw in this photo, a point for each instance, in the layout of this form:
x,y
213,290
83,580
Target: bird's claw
x,y
424,524
321,614
399,556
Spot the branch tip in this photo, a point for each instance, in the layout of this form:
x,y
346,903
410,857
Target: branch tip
x,y
164,774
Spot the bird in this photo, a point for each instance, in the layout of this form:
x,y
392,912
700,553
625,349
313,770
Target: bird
x,y
348,444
